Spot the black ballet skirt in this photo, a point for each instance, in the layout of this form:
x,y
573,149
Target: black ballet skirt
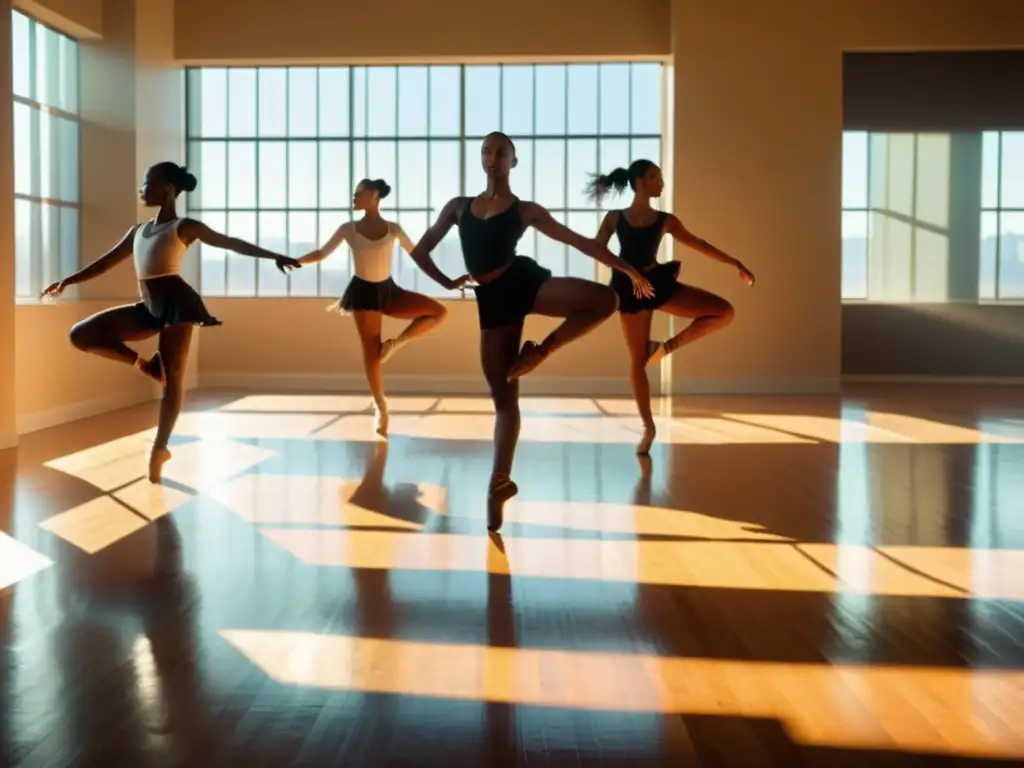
x,y
510,297
663,278
169,300
365,296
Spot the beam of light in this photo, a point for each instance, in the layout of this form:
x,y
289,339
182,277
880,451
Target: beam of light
x,y
152,501
212,425
315,500
750,565
107,465
874,427
94,525
332,404
922,709
18,561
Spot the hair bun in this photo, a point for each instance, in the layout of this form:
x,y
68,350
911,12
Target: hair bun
x,y
188,181
383,188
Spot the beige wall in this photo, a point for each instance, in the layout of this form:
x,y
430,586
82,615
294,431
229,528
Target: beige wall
x,y
82,19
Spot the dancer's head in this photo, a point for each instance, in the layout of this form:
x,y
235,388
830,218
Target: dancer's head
x,y
497,156
642,176
369,193
164,182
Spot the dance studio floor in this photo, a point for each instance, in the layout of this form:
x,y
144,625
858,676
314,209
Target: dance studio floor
x,y
789,581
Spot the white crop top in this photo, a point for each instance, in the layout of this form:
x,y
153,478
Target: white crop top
x,y
158,249
371,258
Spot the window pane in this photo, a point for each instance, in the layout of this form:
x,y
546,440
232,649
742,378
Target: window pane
x,y
302,238
580,265
890,259
302,174
359,171
855,255
334,101
647,97
614,80
990,169
241,269
382,118
475,180
646,149
49,179
212,259
613,153
213,186
242,102
549,253
336,184
23,149
51,242
22,53
1012,170
411,180
517,100
525,170
855,169
68,240
550,182
413,85
381,163
23,248
445,100
242,174
931,205
68,98
47,66
273,235
931,266
582,163
987,250
1011,255
550,102
900,187
483,105
359,101
273,187
302,93
67,146
335,271
444,172
213,101
878,173
582,98
273,102
405,271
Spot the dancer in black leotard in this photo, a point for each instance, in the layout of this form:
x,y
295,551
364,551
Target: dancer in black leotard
x,y
640,229
510,287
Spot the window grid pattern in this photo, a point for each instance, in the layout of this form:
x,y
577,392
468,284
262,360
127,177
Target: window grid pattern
x,y
46,144
279,150
1002,217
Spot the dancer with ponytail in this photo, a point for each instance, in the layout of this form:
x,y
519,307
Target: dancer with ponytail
x,y
169,307
372,293
639,229
510,287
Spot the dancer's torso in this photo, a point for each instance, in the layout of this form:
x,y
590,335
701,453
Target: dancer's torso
x,y
372,257
158,250
489,245
638,246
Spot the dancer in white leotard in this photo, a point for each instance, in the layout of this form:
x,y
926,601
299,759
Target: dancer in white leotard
x,y
372,292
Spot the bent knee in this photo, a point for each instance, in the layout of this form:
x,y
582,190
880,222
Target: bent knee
x,y
81,337
439,311
727,312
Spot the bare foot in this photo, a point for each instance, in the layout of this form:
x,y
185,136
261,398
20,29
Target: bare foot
x,y
154,368
157,458
643,448
502,489
530,356
656,351
380,421
387,349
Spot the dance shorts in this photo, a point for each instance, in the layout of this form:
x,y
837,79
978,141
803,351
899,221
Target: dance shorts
x,y
510,297
169,300
364,296
663,279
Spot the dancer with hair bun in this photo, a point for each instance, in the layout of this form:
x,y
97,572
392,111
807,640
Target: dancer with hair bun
x,y
373,293
639,229
169,307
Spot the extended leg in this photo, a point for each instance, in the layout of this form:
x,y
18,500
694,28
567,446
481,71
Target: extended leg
x,y
636,327
174,345
709,313
368,325
424,312
106,332
498,350
583,304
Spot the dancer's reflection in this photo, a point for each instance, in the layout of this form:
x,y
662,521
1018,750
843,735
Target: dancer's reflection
x,y
401,501
499,676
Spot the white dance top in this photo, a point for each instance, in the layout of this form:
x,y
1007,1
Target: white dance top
x,y
158,249
372,258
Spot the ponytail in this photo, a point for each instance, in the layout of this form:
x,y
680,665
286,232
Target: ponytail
x,y
602,184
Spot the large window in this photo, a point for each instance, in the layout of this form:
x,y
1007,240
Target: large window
x,y
933,217
278,152
46,164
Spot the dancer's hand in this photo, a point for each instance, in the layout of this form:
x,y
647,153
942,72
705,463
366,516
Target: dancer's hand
x,y
745,274
459,283
642,287
53,290
287,263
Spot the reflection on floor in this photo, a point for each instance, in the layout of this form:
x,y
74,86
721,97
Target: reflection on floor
x,y
787,581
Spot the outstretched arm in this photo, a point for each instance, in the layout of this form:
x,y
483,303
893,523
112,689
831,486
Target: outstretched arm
x,y
685,237
191,230
341,235
102,265
432,238
403,239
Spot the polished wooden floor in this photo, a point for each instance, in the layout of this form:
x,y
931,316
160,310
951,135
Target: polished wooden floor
x,y
788,581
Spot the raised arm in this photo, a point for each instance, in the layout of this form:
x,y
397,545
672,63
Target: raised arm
x,y
685,237
448,217
191,230
403,239
341,235
608,224
105,263
537,216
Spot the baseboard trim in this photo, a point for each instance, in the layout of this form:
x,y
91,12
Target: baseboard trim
x,y
756,386
560,386
963,381
84,409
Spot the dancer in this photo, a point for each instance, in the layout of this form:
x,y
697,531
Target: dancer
x,y
372,292
639,229
510,287
169,307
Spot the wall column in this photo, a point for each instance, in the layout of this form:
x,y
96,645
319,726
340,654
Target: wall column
x,y
8,405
